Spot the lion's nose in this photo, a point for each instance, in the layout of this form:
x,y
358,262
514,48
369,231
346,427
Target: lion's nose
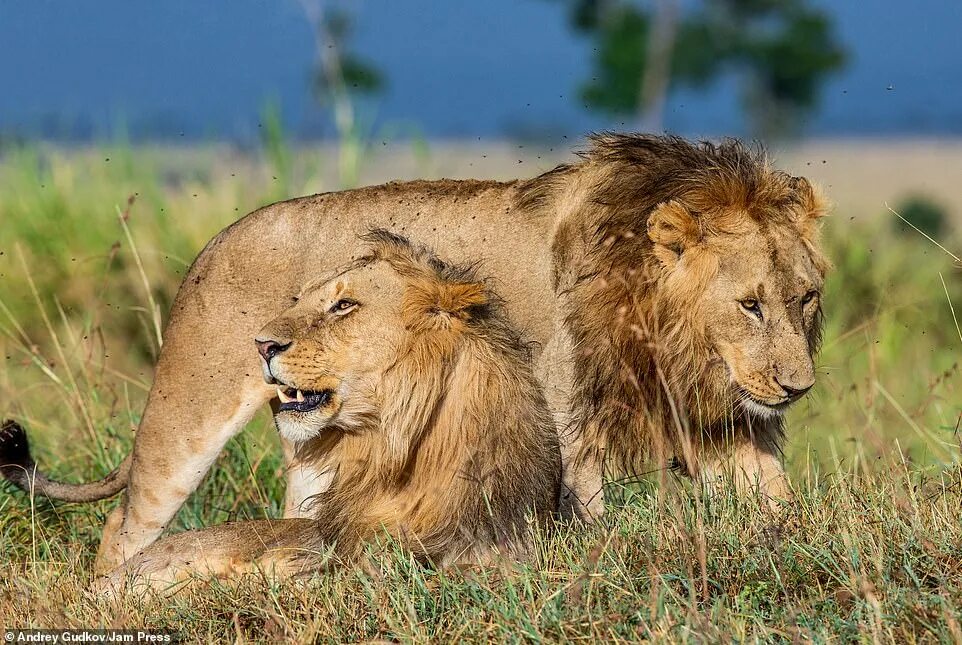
x,y
269,348
796,392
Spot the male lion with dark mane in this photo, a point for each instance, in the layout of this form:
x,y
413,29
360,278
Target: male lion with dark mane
x,y
672,290
400,377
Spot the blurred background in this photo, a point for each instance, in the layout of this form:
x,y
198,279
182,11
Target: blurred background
x,y
132,131
528,69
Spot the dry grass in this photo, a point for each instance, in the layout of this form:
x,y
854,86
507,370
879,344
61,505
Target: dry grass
x,y
869,552
856,558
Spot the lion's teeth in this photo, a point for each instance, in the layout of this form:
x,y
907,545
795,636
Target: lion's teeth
x,y
300,396
283,397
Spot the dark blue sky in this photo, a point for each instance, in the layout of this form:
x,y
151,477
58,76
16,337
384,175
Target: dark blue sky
x,y
454,68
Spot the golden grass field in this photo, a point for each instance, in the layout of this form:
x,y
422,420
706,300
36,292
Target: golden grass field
x,y
872,550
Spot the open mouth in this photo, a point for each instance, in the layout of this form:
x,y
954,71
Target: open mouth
x,y
294,400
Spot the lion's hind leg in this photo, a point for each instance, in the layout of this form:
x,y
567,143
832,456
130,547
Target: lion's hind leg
x,y
167,467
276,548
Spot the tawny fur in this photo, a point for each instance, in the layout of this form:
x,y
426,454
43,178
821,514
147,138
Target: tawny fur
x,y
460,447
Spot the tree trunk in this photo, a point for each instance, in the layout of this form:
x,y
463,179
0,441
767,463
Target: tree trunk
x,y
657,74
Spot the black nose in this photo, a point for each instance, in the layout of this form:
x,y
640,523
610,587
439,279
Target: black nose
x,y
794,393
269,348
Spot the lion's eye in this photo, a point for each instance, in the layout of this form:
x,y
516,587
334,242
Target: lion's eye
x,y
342,306
809,297
751,306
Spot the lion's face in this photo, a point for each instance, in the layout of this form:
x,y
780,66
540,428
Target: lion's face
x,y
752,289
761,313
328,350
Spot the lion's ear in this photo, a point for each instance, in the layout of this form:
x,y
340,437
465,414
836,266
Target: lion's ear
x,y
814,205
434,305
673,229
457,299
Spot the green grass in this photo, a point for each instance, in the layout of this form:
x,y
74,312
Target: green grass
x,y
871,551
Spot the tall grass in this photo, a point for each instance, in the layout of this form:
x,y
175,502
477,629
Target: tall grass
x,y
860,558
870,551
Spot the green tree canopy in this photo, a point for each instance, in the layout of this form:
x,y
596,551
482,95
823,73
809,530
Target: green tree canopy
x,y
339,69
782,51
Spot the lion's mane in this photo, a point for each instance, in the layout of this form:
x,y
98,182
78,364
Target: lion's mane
x,y
641,358
463,452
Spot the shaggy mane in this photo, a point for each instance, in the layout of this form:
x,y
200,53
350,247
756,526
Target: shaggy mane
x,y
640,360
633,173
463,449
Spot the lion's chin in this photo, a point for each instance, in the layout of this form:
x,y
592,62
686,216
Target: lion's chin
x,y
303,415
759,409
296,430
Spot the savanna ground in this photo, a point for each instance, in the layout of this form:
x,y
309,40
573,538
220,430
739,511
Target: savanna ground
x,y
872,550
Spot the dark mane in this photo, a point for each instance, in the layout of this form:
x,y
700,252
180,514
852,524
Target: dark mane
x,y
636,172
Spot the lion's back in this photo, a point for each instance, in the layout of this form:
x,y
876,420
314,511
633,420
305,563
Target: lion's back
x,y
258,263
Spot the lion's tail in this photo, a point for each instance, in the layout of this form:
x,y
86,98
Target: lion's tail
x,y
17,466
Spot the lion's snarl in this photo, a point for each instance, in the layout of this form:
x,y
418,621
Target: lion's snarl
x,y
401,375
694,279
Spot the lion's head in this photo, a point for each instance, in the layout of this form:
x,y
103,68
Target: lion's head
x,y
695,278
329,352
743,270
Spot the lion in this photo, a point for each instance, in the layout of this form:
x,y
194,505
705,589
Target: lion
x,y
672,290
401,377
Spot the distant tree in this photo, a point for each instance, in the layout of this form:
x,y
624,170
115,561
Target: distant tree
x,y
341,70
339,75
782,51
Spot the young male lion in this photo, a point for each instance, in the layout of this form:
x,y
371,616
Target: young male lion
x,y
400,378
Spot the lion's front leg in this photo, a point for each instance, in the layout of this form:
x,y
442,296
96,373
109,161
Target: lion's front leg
x,y
279,548
581,495
305,481
752,463
582,480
